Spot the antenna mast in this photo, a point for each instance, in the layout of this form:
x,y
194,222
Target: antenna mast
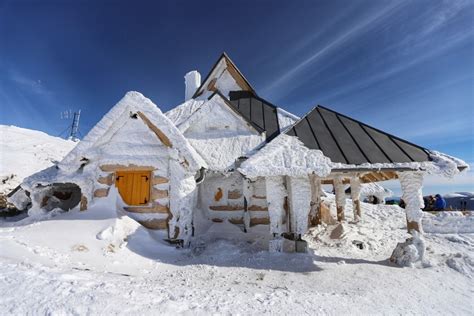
x,y
75,125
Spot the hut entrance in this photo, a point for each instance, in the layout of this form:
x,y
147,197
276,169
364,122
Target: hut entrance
x,y
133,186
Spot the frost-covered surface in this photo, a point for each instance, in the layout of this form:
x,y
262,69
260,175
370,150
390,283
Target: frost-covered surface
x,y
276,194
375,189
286,155
182,112
286,119
412,185
94,262
441,164
299,193
182,201
24,152
220,135
448,222
220,153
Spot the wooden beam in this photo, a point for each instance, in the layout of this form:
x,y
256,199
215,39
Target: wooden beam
x,y
163,138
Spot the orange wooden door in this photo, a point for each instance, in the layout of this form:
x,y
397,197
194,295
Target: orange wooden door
x,y
133,186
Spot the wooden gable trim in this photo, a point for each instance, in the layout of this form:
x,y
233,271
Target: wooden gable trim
x,y
161,136
234,72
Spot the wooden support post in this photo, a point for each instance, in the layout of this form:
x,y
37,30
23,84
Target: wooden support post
x,y
340,198
412,184
355,195
316,192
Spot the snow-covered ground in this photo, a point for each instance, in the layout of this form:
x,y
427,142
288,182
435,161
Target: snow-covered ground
x,y
95,263
25,151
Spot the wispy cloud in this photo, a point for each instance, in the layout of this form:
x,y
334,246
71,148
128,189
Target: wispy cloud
x,y
32,85
351,32
413,48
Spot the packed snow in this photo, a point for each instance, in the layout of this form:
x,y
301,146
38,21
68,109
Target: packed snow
x,y
24,152
98,262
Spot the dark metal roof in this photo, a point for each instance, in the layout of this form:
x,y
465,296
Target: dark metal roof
x,y
257,110
349,141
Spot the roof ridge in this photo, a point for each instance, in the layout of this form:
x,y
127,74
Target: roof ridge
x,y
227,58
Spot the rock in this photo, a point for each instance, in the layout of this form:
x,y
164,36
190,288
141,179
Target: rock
x,y
337,232
407,253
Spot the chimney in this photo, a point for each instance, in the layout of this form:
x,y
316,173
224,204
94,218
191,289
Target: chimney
x,y
192,80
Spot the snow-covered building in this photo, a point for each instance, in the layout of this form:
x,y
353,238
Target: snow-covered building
x,y
228,155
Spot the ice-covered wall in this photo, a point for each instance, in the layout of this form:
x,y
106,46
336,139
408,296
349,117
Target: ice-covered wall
x,y
221,197
276,193
299,193
220,135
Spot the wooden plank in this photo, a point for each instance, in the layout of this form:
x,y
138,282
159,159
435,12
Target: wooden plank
x,y
163,138
258,208
108,180
234,194
114,168
101,192
155,224
226,207
156,208
237,77
159,180
158,194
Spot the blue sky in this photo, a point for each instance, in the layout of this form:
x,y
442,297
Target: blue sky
x,y
406,67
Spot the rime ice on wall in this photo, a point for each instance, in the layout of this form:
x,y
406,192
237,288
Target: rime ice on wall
x,y
276,193
299,193
220,135
182,200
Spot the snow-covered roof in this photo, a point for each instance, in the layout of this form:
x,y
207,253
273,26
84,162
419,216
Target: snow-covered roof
x,y
182,112
286,119
286,155
132,103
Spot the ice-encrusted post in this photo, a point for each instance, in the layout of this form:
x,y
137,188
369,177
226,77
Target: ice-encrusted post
x,y
276,193
316,193
340,198
355,196
412,195
413,249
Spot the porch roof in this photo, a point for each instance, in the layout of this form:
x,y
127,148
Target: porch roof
x,y
348,141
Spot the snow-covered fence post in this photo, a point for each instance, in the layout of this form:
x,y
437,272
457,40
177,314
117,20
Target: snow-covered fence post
x,y
276,193
316,192
355,195
412,184
340,197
